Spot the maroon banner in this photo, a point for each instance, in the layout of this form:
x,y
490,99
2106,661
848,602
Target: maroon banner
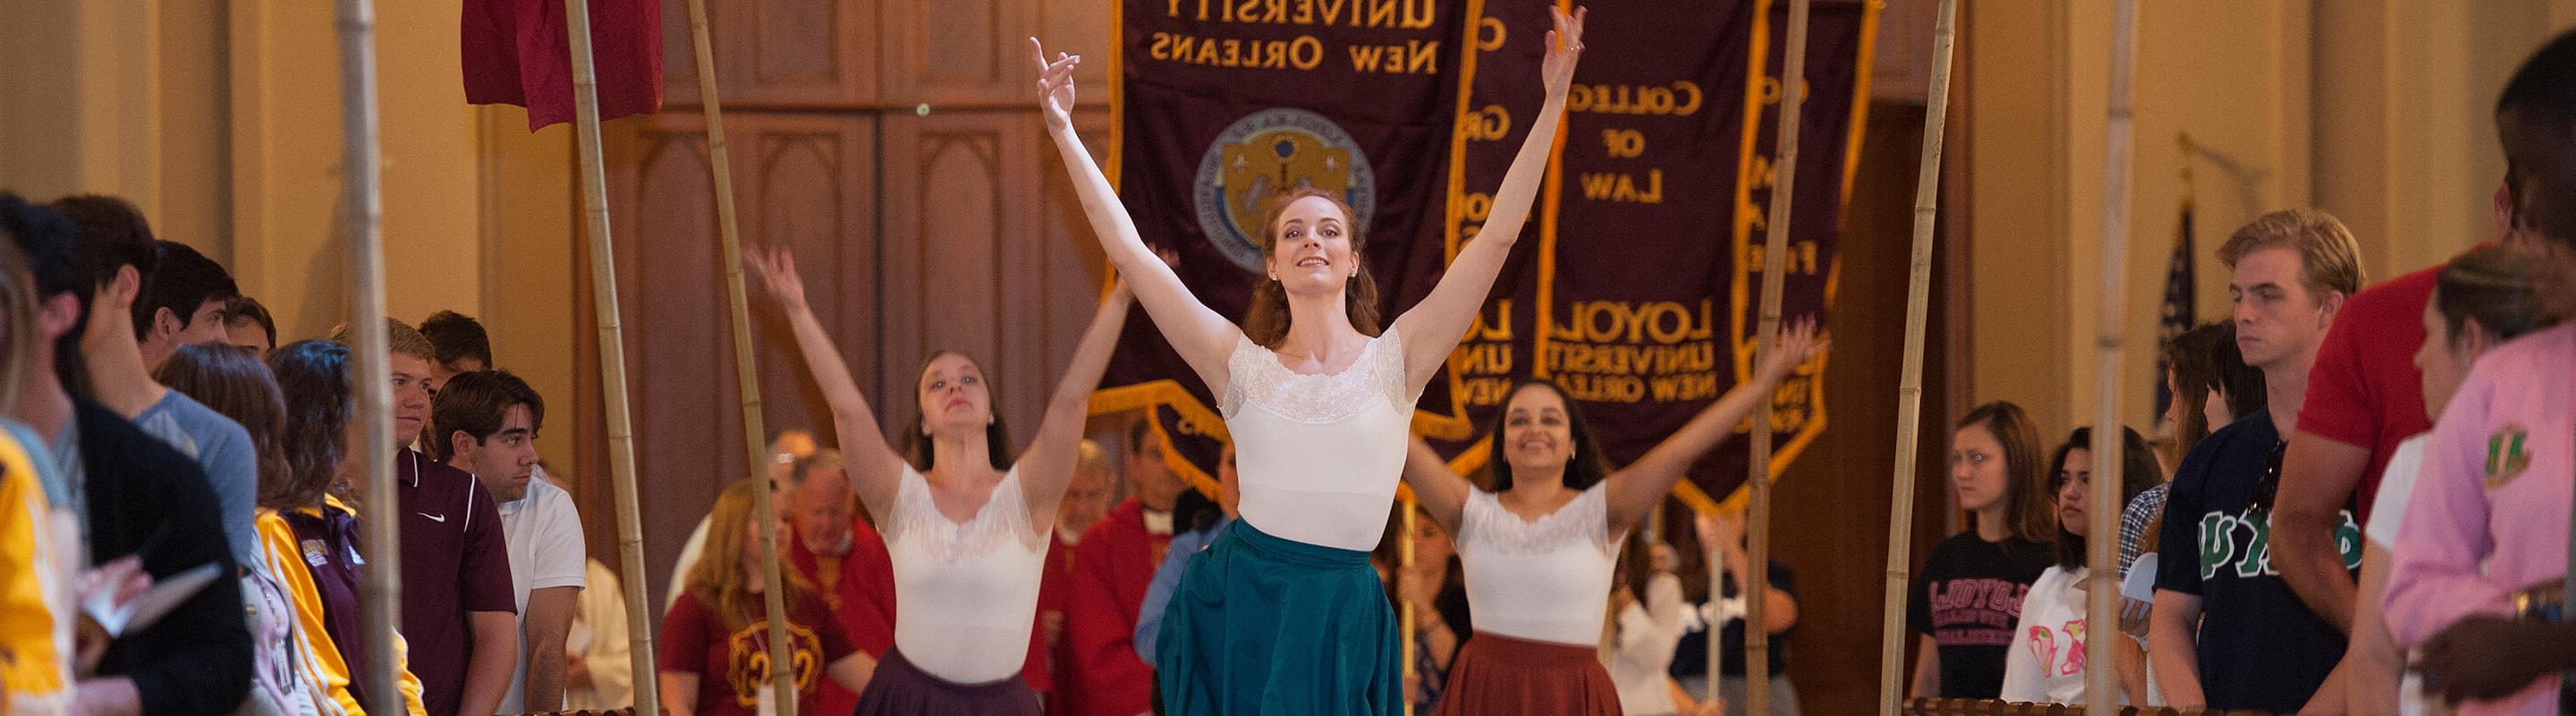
x,y
1636,286
1634,283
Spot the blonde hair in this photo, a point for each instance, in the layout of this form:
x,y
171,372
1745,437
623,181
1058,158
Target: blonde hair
x,y
400,339
18,340
718,579
2329,258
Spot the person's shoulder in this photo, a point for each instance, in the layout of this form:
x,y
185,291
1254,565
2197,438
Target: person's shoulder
x,y
546,498
2533,353
1957,546
440,477
196,418
109,440
1128,516
2253,432
2400,298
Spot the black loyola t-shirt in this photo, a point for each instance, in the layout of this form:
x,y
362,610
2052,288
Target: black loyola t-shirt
x,y
1968,599
2259,646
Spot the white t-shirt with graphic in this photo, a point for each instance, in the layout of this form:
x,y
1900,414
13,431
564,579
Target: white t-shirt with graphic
x,y
2046,662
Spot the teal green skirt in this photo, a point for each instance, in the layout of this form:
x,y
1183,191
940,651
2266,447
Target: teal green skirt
x,y
1264,625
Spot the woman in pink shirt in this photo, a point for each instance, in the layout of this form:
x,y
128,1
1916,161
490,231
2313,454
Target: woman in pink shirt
x,y
2494,485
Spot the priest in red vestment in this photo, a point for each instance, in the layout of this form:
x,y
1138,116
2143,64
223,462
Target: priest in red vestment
x,y
1107,586
1086,501
842,557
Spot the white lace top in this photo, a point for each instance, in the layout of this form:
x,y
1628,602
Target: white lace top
x,y
971,589
1319,454
1547,580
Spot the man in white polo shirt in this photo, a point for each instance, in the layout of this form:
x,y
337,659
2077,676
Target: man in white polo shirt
x,y
486,422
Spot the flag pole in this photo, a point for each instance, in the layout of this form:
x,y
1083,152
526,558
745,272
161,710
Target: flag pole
x,y
612,358
1775,267
362,199
2102,588
1909,391
746,367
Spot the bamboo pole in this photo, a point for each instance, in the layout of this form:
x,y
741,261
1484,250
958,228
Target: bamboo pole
x,y
363,200
1775,269
2102,589
746,368
1403,572
1909,391
612,358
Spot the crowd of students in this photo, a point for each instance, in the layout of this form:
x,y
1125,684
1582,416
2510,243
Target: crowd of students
x,y
176,447
2367,506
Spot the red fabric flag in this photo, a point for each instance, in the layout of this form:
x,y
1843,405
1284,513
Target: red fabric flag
x,y
520,52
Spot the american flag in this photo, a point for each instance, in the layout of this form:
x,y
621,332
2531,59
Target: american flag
x,y
2179,313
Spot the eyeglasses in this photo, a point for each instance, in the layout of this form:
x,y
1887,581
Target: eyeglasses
x,y
2270,485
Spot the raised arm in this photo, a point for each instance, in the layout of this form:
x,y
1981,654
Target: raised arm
x,y
1440,491
1432,328
1203,338
873,467
1048,465
1637,488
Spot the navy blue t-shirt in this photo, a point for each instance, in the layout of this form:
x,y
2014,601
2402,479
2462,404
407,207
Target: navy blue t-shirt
x,y
1690,657
2259,645
1968,598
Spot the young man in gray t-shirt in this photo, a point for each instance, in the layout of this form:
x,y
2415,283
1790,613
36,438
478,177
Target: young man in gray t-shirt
x,y
139,281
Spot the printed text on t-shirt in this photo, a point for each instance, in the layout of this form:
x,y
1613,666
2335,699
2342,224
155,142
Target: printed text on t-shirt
x,y
1976,611
2242,542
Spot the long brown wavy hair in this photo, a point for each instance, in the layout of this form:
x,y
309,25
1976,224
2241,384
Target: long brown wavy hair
x,y
232,381
1266,321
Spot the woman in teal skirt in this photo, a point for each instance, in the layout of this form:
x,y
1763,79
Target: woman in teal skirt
x,y
1283,614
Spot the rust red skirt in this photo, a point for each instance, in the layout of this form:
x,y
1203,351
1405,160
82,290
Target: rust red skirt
x,y
1501,675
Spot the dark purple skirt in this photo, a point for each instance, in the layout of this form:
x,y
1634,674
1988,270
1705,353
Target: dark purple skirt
x,y
901,689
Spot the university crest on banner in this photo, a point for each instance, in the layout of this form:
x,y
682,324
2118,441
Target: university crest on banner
x,y
1631,284
1263,155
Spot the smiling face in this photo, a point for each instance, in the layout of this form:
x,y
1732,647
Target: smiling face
x,y
1312,249
953,396
1538,434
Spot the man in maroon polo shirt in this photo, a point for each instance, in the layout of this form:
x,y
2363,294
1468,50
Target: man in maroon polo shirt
x,y
459,610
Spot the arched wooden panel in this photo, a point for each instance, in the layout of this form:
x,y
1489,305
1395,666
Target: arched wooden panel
x,y
802,200
662,220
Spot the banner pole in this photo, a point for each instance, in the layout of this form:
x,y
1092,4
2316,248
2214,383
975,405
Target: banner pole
x,y
2102,586
363,199
612,358
1775,266
1909,391
746,366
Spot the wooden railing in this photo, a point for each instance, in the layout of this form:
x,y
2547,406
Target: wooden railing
x,y
1990,707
